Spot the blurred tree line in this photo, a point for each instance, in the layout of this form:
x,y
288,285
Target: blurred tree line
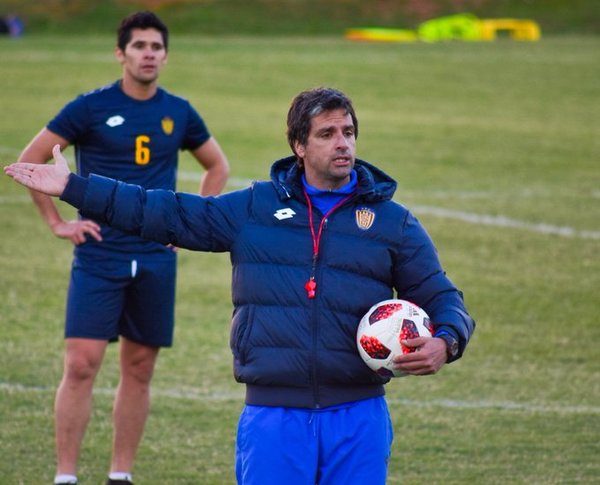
x,y
295,17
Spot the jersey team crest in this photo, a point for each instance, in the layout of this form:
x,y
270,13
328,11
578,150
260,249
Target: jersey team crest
x,y
364,218
167,125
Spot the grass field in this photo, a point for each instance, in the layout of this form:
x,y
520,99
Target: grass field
x,y
496,148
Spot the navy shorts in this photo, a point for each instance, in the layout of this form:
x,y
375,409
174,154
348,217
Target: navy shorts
x,y
345,444
134,298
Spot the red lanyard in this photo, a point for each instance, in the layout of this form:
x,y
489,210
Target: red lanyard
x,y
311,285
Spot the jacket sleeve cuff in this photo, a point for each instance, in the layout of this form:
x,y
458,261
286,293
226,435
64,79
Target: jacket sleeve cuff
x,y
74,192
445,330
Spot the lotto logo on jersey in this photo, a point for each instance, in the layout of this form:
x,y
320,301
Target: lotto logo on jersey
x,y
115,121
167,125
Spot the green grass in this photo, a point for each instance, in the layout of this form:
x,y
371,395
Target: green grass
x,y
507,129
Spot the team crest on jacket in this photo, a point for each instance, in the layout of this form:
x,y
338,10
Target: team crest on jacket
x,y
364,218
167,125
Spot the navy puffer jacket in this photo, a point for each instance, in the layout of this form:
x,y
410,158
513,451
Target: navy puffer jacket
x,y
288,349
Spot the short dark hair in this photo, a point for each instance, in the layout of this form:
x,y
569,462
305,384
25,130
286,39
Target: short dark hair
x,y
141,20
311,103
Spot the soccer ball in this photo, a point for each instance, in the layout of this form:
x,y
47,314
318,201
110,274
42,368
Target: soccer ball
x,y
383,327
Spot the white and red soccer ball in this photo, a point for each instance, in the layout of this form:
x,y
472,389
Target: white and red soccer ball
x,y
382,329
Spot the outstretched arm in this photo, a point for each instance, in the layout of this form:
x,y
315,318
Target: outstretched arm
x,y
48,179
184,220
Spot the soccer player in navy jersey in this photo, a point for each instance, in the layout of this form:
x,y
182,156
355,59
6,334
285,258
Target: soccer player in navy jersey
x,y
122,286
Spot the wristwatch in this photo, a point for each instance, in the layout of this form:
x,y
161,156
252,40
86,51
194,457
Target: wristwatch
x,y
451,345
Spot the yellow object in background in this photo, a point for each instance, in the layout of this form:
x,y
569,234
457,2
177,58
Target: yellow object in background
x,y
466,27
518,29
381,34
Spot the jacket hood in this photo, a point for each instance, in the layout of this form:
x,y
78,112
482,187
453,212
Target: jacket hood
x,y
374,185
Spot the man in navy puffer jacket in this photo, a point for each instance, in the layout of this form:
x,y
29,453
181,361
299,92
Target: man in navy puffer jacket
x,y
312,250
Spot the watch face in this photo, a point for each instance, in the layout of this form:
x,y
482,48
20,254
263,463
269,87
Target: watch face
x,y
451,345
453,348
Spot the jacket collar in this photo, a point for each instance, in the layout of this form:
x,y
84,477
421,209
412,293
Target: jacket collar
x,y
373,185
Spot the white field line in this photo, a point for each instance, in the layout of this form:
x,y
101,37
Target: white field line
x,y
502,221
15,199
202,396
9,152
468,217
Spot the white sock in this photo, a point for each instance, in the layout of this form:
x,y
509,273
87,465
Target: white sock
x,y
120,476
63,478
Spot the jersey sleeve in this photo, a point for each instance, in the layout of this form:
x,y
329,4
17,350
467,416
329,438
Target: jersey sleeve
x,y
71,121
196,133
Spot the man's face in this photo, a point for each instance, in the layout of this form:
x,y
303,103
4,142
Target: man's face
x,y
144,56
329,152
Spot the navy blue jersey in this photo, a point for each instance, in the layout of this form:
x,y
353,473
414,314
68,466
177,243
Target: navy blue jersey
x,y
136,141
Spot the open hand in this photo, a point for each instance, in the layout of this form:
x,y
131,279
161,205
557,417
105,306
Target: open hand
x,y
48,179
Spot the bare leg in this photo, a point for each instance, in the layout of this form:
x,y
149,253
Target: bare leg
x,y
132,402
73,402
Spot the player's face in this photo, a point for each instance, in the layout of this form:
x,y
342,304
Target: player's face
x,y
144,56
329,152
